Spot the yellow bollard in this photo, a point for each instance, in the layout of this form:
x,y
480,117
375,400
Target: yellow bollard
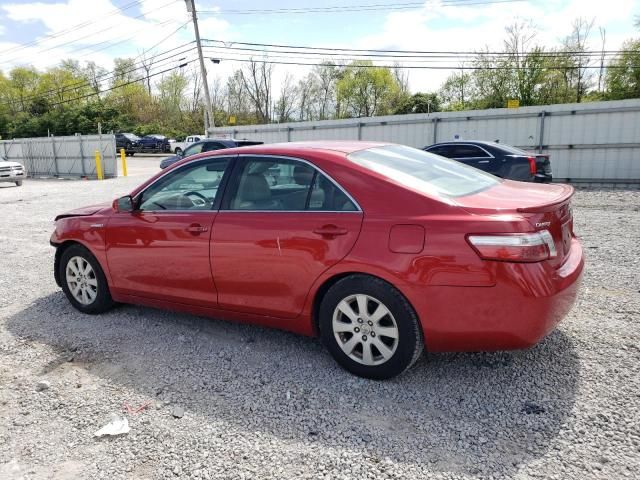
x,y
123,157
98,166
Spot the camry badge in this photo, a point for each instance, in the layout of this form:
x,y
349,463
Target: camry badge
x,y
542,224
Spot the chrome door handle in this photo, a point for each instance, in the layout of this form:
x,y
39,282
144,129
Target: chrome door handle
x,y
196,229
330,231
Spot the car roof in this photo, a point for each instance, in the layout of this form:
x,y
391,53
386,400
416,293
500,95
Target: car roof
x,y
481,143
341,146
290,148
471,142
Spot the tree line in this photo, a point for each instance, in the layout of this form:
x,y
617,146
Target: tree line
x,y
73,98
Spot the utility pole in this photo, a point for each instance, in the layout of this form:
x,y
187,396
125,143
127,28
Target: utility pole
x,y
191,7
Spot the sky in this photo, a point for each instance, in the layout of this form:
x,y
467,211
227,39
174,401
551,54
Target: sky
x,y
42,33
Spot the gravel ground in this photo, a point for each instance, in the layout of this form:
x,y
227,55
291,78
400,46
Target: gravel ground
x,y
265,404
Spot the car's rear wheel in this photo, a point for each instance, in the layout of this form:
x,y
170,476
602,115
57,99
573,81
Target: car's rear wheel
x,y
83,281
178,151
369,327
19,183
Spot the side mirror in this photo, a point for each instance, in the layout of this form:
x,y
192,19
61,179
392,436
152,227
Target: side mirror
x,y
123,204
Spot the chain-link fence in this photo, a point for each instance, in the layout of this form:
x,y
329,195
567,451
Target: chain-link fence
x,y
72,156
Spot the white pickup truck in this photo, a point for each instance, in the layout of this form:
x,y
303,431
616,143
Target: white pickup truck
x,y
13,172
178,147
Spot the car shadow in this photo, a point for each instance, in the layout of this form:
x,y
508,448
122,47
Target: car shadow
x,y
470,413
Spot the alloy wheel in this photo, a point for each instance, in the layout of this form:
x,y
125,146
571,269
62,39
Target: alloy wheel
x,y
81,280
365,329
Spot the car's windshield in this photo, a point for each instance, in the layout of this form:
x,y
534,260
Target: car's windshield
x,y
423,171
131,136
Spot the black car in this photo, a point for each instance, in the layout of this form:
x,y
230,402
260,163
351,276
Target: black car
x,y
498,159
206,146
154,144
129,141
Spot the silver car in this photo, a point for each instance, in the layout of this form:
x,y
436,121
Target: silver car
x,y
13,172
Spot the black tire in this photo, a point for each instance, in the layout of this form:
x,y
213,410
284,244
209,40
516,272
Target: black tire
x,y
178,151
409,345
102,301
19,183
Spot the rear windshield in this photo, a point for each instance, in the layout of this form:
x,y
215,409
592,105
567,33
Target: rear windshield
x,y
423,171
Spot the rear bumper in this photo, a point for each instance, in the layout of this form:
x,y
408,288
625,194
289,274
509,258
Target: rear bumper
x,y
526,303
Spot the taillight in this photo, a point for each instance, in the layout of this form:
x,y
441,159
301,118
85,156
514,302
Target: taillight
x,y
517,247
533,169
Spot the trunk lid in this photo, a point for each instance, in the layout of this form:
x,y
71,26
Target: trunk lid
x,y
545,207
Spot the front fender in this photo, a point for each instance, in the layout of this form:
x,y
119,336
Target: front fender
x,y
88,231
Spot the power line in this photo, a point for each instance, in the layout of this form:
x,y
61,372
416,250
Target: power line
x,y
376,50
112,74
165,38
73,28
70,42
354,8
119,85
423,67
434,57
92,50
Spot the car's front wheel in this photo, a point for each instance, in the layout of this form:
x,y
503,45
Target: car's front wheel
x,y
178,151
83,281
19,183
369,327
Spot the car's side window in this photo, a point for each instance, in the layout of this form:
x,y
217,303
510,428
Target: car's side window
x,y
469,151
443,150
439,150
193,149
209,146
286,185
192,187
278,184
326,196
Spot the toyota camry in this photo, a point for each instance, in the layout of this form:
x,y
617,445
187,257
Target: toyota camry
x,y
380,249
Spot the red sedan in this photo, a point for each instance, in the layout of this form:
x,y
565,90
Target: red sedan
x,y
380,249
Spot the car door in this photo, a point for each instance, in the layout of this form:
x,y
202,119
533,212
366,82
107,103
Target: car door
x,y
282,223
161,249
